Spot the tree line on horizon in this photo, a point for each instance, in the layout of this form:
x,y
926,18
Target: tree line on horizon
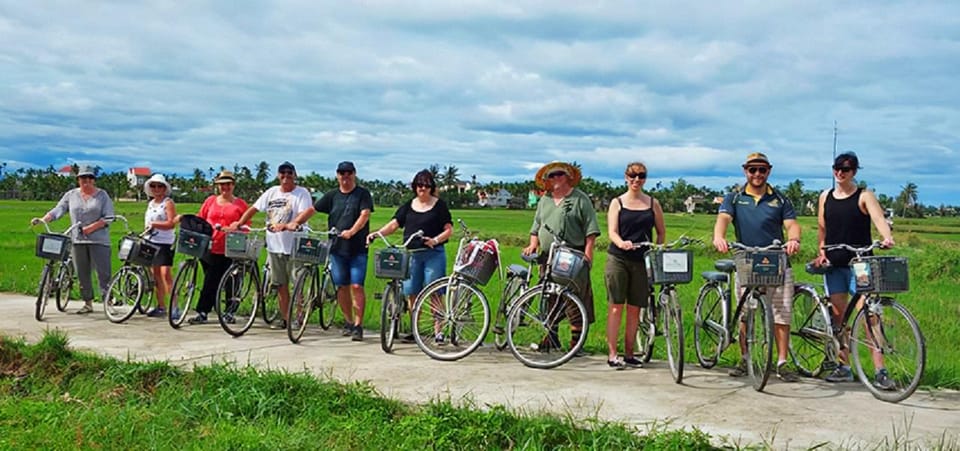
x,y
49,184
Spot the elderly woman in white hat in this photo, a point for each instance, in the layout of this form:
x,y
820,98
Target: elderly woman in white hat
x,y
160,219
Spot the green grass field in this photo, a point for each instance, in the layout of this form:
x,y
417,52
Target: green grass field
x,y
932,245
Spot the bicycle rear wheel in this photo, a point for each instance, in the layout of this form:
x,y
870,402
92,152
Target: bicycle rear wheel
x,y
540,327
64,284
43,290
810,332
185,293
673,331
123,294
328,300
450,320
709,324
759,324
238,298
647,330
886,337
510,292
306,294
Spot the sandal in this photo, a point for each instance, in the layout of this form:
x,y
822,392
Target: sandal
x,y
87,308
616,364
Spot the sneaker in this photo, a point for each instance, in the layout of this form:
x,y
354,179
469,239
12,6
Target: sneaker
x,y
439,339
617,364
357,333
347,330
633,362
408,338
229,319
295,324
841,374
279,325
158,312
175,313
201,318
740,370
87,308
883,381
785,374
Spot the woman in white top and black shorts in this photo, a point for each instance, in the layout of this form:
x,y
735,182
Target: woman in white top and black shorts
x,y
159,217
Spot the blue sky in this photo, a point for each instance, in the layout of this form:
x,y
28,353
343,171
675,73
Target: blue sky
x,y
496,88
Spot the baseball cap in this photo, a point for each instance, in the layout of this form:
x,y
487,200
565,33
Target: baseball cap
x,y
286,165
85,171
346,166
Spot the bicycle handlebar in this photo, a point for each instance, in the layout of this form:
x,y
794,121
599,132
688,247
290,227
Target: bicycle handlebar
x,y
857,250
417,234
775,246
679,242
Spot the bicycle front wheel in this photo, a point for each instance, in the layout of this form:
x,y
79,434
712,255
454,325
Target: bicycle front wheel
x,y
646,331
811,336
450,320
238,297
541,327
64,284
710,324
510,292
887,349
390,312
328,301
123,294
759,324
673,330
269,293
185,293
306,294
43,290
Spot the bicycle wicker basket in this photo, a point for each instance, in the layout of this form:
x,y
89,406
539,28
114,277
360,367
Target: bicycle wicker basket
x,y
670,266
137,251
885,274
193,243
760,268
391,263
478,261
243,246
311,250
53,246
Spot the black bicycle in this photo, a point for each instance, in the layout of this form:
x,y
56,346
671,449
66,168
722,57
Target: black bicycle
x,y
393,264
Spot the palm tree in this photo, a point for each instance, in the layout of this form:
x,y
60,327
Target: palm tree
x,y
451,176
908,196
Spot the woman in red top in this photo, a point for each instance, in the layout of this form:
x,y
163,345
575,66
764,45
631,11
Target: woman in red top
x,y
223,210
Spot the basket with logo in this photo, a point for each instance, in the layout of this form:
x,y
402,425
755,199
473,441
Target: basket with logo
x,y
391,263
877,274
308,249
243,246
760,268
53,246
670,266
193,243
568,267
478,261
137,251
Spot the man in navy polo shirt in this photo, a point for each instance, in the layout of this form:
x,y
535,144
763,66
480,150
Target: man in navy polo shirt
x,y
759,214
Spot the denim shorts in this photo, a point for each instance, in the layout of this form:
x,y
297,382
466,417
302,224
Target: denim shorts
x,y
425,267
839,279
348,270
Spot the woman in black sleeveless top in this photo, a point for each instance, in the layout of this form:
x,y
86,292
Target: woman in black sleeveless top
x,y
844,217
631,219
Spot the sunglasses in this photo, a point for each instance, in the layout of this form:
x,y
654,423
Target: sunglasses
x,y
555,174
344,172
157,185
86,177
422,185
844,169
637,175
285,172
755,169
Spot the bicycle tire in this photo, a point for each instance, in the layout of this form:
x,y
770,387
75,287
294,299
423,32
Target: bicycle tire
x,y
64,284
539,327
389,315
511,291
123,294
43,291
646,330
673,332
184,294
328,300
810,332
451,320
901,345
759,336
269,293
238,298
304,297
710,324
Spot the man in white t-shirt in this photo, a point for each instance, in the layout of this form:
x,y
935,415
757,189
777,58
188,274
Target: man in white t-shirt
x,y
281,204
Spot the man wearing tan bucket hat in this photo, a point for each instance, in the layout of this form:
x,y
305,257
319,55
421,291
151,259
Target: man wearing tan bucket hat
x,y
568,213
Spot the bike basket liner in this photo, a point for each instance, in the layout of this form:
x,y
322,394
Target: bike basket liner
x,y
137,251
478,261
760,268
391,263
311,250
567,267
193,244
242,246
881,274
53,246
670,266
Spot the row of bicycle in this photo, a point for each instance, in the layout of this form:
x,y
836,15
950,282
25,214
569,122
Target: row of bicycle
x,y
541,320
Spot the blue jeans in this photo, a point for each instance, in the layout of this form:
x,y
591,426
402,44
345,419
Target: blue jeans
x,y
425,267
348,270
840,280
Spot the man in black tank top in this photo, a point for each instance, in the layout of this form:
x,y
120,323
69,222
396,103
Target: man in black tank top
x,y
844,217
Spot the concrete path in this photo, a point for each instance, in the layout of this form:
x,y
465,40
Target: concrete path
x,y
783,416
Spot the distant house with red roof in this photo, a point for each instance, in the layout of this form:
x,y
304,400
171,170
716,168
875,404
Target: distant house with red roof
x,y
66,171
138,176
